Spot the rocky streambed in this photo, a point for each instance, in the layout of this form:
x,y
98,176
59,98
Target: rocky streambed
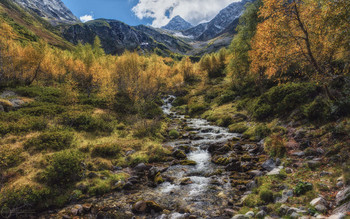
x,y
209,174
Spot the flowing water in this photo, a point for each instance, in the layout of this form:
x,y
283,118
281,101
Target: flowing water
x,y
207,191
207,194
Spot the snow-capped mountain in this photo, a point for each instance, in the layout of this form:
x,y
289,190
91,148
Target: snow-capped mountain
x,y
52,10
177,24
226,19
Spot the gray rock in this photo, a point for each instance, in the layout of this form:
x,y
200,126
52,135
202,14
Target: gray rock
x,y
255,173
343,209
275,171
17,103
7,94
289,170
342,196
252,185
321,208
261,214
284,209
313,164
240,216
230,212
337,216
319,201
294,215
141,167
269,165
298,154
340,184
2,108
250,214
286,194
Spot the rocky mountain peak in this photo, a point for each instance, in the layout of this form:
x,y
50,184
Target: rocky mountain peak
x,y
54,11
177,24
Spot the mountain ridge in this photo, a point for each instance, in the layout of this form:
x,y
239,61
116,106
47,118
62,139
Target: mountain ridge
x,y
177,24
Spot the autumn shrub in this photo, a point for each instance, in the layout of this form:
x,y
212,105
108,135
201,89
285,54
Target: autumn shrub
x,y
51,140
85,122
302,187
282,99
318,110
63,168
9,157
26,197
275,146
108,150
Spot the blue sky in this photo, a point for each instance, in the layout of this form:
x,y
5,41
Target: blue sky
x,y
111,9
149,12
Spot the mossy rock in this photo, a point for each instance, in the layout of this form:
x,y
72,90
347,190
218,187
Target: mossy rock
x,y
179,154
151,205
188,163
158,179
223,161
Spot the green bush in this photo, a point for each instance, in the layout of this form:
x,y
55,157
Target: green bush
x,y
261,131
85,122
44,94
225,121
179,101
150,110
123,104
227,97
51,140
147,128
24,197
266,196
209,96
21,125
238,128
158,153
9,157
319,109
302,188
63,168
42,109
195,109
109,150
346,173
282,99
174,134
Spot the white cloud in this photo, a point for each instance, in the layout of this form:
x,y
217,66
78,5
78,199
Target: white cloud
x,y
194,11
86,18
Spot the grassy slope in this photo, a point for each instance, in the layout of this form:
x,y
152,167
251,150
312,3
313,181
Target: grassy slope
x,y
326,140
30,27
